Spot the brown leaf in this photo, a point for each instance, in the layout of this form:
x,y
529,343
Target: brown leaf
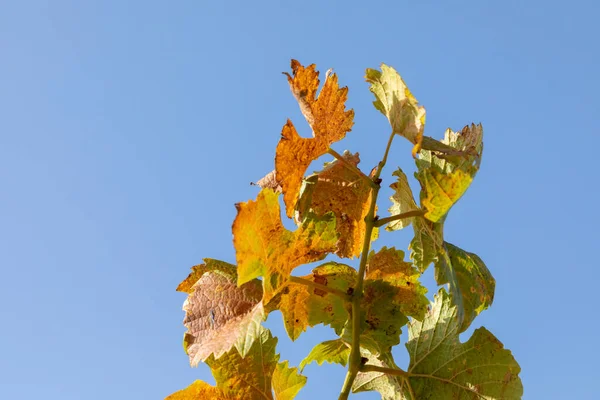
x,y
220,315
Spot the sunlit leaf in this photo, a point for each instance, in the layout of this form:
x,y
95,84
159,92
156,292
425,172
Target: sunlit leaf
x,y
326,115
440,190
265,248
270,181
247,377
286,381
332,351
397,103
219,314
389,266
445,177
471,283
340,190
200,390
402,201
302,306
443,368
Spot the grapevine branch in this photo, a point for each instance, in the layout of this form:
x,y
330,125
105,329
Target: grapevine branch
x,y
354,364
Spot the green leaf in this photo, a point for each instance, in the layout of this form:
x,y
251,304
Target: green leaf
x,y
382,319
331,351
219,314
443,368
389,386
247,377
471,283
302,306
287,382
427,243
397,103
402,201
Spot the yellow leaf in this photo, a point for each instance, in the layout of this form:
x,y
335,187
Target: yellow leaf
x,y
197,391
328,119
442,190
265,248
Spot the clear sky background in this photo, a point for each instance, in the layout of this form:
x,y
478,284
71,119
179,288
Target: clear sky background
x,y
128,130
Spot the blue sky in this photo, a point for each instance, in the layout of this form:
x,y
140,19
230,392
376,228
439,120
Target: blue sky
x,y
130,129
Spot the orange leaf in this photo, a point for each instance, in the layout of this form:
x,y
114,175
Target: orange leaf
x,y
265,248
340,190
326,115
199,390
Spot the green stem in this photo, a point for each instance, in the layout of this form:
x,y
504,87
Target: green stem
x,y
351,167
314,285
387,371
355,359
408,214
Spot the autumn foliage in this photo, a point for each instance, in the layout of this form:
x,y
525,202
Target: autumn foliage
x,y
335,211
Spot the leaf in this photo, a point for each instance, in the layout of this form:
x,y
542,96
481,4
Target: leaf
x,y
427,243
219,314
402,201
332,351
443,368
441,190
302,306
238,377
328,119
339,190
199,390
199,270
471,283
389,386
397,103
265,248
445,178
383,318
389,266
269,181
287,382
248,377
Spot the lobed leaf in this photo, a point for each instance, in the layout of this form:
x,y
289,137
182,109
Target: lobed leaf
x,y
255,376
389,386
218,314
445,177
394,100
287,382
265,248
332,351
471,283
443,368
388,265
340,190
402,201
427,243
302,306
326,115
